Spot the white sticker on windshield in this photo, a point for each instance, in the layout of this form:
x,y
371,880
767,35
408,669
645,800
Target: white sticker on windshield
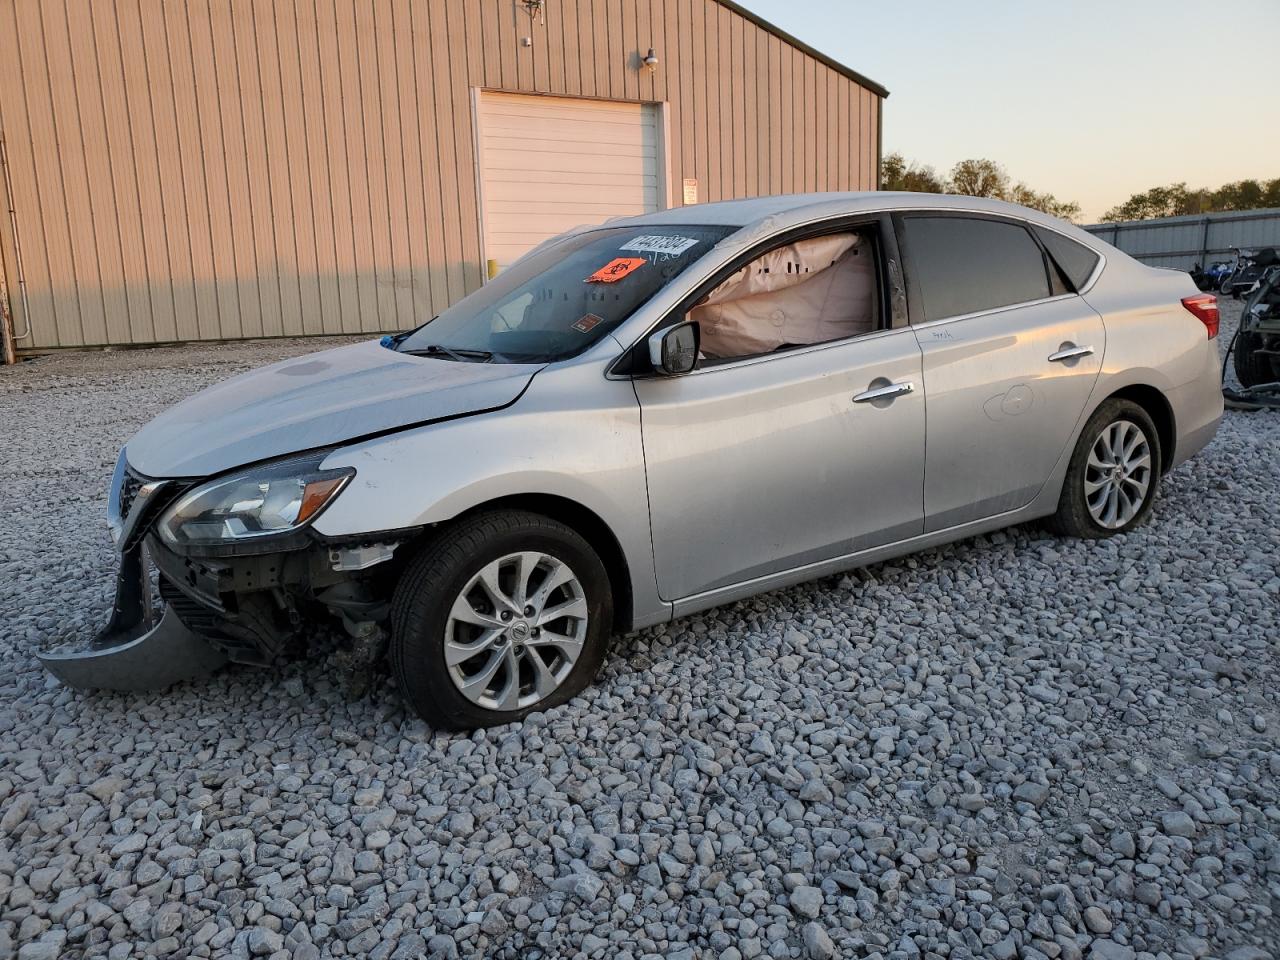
x,y
667,246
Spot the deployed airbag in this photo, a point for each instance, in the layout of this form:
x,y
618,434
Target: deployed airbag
x,y
805,292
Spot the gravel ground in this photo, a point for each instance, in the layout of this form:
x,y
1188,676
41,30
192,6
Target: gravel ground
x,y
1015,746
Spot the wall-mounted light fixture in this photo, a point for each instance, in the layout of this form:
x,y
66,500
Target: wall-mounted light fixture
x,y
651,60
535,9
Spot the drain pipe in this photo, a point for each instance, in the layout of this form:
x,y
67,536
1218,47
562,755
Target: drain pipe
x,y
7,333
7,354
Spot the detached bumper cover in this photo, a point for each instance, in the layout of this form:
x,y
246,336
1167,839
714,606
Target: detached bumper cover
x,y
129,656
166,654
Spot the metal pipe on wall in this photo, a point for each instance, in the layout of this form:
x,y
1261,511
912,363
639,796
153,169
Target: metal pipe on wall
x,y
8,352
10,337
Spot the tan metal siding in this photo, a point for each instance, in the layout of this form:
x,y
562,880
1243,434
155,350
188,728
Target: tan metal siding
x,y
233,168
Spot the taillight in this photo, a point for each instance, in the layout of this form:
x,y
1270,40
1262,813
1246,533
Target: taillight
x,y
1205,308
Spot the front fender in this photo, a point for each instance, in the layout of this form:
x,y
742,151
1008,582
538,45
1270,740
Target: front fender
x,y
574,435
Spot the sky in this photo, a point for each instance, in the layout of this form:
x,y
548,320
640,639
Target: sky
x,y
1091,101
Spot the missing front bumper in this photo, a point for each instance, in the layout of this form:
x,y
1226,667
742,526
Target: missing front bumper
x,y
256,608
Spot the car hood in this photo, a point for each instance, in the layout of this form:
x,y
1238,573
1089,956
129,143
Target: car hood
x,y
315,401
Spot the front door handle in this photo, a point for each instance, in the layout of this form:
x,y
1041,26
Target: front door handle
x,y
1070,353
886,392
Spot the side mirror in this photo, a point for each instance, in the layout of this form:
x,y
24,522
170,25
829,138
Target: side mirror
x,y
674,351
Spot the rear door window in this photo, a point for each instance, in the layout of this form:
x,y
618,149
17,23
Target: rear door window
x,y
966,265
1076,260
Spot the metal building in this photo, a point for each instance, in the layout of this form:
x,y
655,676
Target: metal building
x,y
1182,242
178,170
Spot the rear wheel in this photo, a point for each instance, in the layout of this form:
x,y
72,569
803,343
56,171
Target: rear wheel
x,y
1114,471
506,613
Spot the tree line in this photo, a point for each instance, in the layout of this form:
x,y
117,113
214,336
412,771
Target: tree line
x,y
971,178
1176,200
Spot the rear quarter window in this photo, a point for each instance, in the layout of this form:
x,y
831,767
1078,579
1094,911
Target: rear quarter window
x,y
1075,260
967,265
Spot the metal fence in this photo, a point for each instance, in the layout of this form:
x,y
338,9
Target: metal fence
x,y
1182,242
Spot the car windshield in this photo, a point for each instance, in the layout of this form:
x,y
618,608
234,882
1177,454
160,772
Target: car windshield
x,y
556,302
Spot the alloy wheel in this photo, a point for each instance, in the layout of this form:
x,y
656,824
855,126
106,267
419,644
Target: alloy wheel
x,y
1118,474
515,631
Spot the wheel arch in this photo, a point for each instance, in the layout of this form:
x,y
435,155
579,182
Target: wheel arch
x,y
1158,408
590,526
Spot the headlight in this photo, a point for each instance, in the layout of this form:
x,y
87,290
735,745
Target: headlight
x,y
266,500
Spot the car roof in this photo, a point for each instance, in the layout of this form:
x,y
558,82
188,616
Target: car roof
x,y
785,209
743,212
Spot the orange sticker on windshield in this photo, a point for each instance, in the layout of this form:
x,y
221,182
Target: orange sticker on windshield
x,y
615,270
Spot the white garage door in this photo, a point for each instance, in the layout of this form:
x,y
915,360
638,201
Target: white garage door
x,y
548,164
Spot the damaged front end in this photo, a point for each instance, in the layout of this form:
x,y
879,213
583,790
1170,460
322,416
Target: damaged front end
x,y
241,578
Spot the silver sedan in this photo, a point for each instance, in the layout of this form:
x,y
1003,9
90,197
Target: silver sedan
x,y
647,418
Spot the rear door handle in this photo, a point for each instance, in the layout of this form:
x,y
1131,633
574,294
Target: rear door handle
x,y
887,392
1070,353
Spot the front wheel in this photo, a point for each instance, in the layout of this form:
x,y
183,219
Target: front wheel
x,y
1114,471
505,613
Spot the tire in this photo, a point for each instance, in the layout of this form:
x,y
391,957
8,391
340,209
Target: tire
x,y
448,577
1252,368
1074,516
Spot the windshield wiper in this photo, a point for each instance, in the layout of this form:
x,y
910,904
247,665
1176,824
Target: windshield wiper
x,y
462,355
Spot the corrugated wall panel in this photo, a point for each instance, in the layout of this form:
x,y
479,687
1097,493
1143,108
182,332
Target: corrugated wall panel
x,y
738,97
698,125
267,249
413,292
319,246
447,170
792,147
353,146
285,116
1181,242
217,169
204,141
66,127
638,36
722,54
539,54
34,166
564,40
762,111
372,108
170,191
288,209
472,256
776,106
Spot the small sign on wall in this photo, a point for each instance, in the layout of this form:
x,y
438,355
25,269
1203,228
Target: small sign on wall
x,y
690,190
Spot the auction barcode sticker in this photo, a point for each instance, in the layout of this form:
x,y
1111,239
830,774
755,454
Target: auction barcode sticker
x,y
669,246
